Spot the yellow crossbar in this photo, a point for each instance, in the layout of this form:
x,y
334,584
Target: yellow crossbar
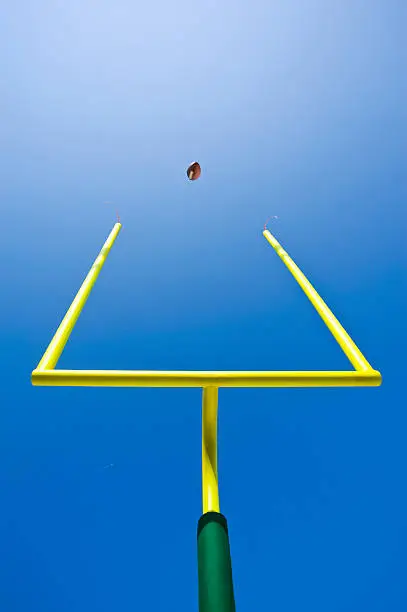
x,y
177,378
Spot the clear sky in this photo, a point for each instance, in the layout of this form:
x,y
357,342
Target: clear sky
x,y
295,109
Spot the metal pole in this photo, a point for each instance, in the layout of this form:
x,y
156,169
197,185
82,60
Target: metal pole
x,y
57,344
214,563
342,337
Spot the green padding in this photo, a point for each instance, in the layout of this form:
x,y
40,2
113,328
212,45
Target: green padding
x,y
214,565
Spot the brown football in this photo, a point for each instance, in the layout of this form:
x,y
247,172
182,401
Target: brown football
x,y
194,171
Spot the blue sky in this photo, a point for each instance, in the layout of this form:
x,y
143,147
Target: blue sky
x,y
295,109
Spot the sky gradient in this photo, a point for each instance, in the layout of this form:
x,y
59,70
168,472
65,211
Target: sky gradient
x,y
295,109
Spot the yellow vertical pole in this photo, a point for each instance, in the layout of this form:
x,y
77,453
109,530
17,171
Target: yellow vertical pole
x,y
57,344
215,582
342,337
210,490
